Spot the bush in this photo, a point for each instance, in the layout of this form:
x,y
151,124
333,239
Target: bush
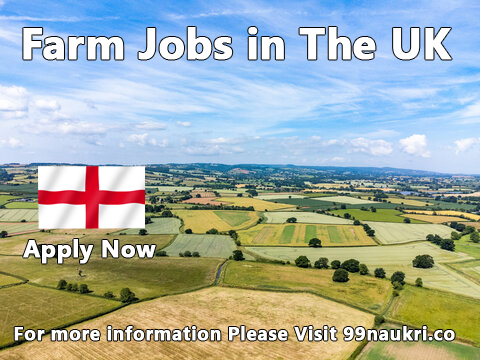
x,y
127,296
62,284
423,261
302,262
180,254
161,253
397,285
109,295
83,289
370,232
291,220
187,253
315,242
238,255
69,287
212,231
188,231
335,264
407,221
419,282
356,222
398,276
447,244
321,263
351,265
475,237
379,319
379,273
363,269
395,293
142,232
340,275
3,234
195,254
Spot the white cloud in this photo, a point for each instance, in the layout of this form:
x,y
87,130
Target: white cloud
x,y
415,145
13,98
50,105
184,123
465,144
139,139
373,147
151,125
11,142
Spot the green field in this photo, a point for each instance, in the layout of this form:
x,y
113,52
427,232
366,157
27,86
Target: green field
x,y
391,258
279,196
363,291
406,350
217,246
200,221
13,228
4,198
394,233
39,308
16,215
8,280
470,268
438,310
30,189
467,246
280,217
21,205
300,235
309,204
387,215
158,226
348,200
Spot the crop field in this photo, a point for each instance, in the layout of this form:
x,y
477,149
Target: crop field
x,y
451,206
159,226
476,225
460,214
13,228
279,196
309,204
463,313
280,217
204,201
364,291
16,215
405,350
4,198
39,308
167,189
258,205
218,246
213,308
145,277
300,235
21,205
471,268
434,219
391,258
391,233
202,220
8,280
384,215
409,202
347,200
465,245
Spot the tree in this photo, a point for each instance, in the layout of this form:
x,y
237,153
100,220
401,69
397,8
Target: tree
x,y
437,240
233,234
109,295
127,296
351,265
347,216
148,220
238,255
321,263
3,234
75,287
142,232
363,269
187,253
166,213
335,264
447,244
340,275
161,253
302,261
196,254
475,237
188,231
212,231
370,232
423,261
398,276
373,209
379,319
292,220
419,282
356,222
83,289
407,221
379,273
455,235
315,242
62,284
69,287
397,285
430,237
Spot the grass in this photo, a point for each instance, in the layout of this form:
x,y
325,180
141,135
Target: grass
x,y
158,226
309,204
382,215
300,235
214,308
218,246
201,221
258,205
280,217
279,196
21,205
39,308
471,268
13,228
16,215
444,311
407,201
5,198
394,233
391,258
8,280
348,200
363,291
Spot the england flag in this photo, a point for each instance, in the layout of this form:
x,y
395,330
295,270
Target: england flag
x,y
91,197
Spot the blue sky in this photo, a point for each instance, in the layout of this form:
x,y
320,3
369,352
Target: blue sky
x,y
384,112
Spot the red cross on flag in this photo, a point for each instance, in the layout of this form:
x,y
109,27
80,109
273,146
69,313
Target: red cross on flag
x,y
91,197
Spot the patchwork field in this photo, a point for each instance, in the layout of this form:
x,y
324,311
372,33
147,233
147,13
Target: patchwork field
x,y
13,215
279,196
166,189
463,313
4,198
471,268
347,200
391,258
434,219
213,308
280,217
218,246
391,233
13,228
158,226
309,204
258,205
39,308
364,291
300,235
383,215
8,280
223,220
409,202
405,350
204,201
460,214
21,205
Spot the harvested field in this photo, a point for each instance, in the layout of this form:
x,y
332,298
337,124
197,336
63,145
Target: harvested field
x,y
279,196
347,200
434,219
218,246
17,215
168,189
202,193
201,221
470,268
158,226
280,217
460,214
212,309
258,205
408,202
392,233
204,201
300,235
13,228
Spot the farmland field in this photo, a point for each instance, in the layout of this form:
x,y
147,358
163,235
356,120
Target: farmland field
x,y
471,268
21,205
391,233
16,215
310,204
405,350
166,189
463,313
213,308
7,280
39,308
12,228
384,215
4,198
300,235
258,205
159,226
409,202
202,220
279,196
391,258
220,246
465,215
434,219
364,291
347,200
280,217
